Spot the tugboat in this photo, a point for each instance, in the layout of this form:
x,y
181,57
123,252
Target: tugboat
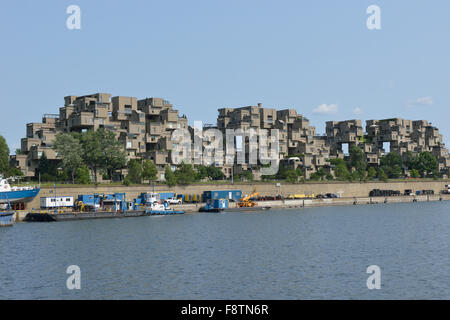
x,y
156,208
7,217
15,194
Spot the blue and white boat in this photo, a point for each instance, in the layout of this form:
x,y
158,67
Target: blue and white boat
x,y
7,217
156,208
15,194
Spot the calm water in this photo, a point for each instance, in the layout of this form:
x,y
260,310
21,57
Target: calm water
x,y
311,253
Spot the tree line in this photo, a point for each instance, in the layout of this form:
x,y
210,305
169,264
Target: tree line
x,y
5,169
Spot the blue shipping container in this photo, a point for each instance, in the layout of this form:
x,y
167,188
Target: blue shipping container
x,y
233,195
166,195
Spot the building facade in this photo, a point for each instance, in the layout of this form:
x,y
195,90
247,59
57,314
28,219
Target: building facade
x,y
144,128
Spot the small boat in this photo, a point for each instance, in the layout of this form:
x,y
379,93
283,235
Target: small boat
x,y
156,208
7,217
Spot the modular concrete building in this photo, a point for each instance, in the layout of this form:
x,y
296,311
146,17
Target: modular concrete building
x,y
144,127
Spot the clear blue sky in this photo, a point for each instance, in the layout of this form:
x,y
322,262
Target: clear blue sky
x,y
203,55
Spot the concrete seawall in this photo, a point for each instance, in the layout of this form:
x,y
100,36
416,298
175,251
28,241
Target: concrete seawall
x,y
291,204
346,190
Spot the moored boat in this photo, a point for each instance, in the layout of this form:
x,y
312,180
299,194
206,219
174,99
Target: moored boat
x,y
16,194
156,208
6,218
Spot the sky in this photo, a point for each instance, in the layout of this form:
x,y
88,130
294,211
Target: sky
x,y
317,57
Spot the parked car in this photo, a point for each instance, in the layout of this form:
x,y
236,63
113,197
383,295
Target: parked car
x,y
408,192
173,201
332,195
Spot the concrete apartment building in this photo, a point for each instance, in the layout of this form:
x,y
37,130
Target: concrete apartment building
x,y
143,126
296,137
387,135
407,135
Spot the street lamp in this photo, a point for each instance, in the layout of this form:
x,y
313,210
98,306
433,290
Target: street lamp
x,y
56,178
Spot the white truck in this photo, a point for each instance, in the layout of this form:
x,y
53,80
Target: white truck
x,y
173,201
447,189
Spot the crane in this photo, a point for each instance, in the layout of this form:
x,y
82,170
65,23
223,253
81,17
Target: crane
x,y
247,202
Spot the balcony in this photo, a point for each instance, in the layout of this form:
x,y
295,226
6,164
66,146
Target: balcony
x,y
151,139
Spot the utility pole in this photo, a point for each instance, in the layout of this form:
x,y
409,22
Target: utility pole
x,y
232,174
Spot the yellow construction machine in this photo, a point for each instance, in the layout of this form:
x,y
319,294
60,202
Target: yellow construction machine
x,y
246,202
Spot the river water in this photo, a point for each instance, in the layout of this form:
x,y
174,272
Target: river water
x,y
310,253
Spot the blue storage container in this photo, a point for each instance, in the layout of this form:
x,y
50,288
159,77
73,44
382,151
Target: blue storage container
x,y
166,195
233,195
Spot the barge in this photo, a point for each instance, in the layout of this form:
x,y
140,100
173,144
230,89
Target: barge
x,y
220,205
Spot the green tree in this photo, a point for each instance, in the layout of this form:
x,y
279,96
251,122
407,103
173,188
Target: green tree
x,y
69,150
82,175
392,165
202,172
214,173
134,171
46,168
92,151
149,170
185,174
371,173
300,172
246,175
426,163
355,175
102,151
382,175
322,173
315,176
358,161
415,173
340,169
14,172
410,160
169,176
126,181
4,156
113,154
290,175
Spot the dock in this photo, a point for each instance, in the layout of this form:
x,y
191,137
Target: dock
x,y
194,208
